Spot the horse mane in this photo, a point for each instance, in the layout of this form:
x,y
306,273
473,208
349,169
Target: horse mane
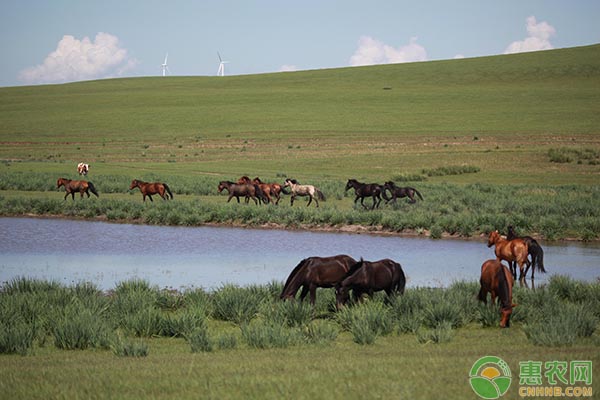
x,y
355,267
293,276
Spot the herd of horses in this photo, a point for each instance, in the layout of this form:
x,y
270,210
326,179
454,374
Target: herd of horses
x,y
345,274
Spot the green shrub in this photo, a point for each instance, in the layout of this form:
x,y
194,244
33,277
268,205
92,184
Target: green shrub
x,y
129,348
200,341
442,333
321,332
16,337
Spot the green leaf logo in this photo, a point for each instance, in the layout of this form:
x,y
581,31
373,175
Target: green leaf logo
x,y
490,377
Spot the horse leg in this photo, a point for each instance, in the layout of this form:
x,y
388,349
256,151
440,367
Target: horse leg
x,y
73,195
150,197
313,294
292,197
316,201
304,292
310,198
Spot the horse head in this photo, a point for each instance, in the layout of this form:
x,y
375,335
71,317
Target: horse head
x,y
244,180
134,183
505,316
60,182
493,238
257,180
351,183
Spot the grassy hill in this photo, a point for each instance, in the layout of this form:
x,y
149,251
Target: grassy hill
x,y
365,121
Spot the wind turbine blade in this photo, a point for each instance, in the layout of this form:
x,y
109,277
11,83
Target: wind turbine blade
x,y
220,59
167,56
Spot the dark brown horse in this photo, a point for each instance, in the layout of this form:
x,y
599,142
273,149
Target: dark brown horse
x,y
497,280
362,190
151,188
72,186
246,190
399,192
533,248
369,277
314,272
510,250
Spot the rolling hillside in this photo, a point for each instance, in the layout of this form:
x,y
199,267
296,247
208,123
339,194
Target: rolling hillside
x,y
404,116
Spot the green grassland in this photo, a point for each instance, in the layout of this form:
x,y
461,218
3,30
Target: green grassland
x,y
138,341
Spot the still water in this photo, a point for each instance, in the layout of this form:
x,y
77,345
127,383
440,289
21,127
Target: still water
x,y
180,257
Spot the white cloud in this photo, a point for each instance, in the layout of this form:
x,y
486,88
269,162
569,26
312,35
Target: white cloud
x,y
538,39
288,68
371,51
459,56
75,60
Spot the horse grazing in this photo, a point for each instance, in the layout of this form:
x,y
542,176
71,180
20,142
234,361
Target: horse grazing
x,y
83,169
399,192
362,190
534,249
152,188
369,277
510,250
304,190
497,280
72,186
246,190
314,272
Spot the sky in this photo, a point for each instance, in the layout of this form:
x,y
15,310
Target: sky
x,y
61,41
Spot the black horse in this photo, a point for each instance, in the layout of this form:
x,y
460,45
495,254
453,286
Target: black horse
x,y
363,190
534,249
314,272
399,192
369,277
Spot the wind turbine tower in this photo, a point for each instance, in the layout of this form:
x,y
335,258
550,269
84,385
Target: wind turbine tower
x,y
165,67
221,70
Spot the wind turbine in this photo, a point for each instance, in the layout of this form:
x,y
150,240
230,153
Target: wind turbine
x,y
221,70
165,67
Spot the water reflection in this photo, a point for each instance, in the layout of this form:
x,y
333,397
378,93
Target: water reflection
x,y
72,251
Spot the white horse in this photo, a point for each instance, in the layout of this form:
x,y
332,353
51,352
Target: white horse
x,y
82,168
304,190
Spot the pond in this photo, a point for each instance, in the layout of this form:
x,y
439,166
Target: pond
x,y
71,251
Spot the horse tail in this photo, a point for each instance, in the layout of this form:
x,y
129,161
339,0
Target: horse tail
x,y
537,255
384,194
168,190
401,281
503,289
93,189
418,194
320,194
292,279
260,194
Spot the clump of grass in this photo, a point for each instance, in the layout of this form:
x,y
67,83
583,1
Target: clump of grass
x,y
236,304
16,337
200,340
226,341
129,348
321,332
263,334
366,321
79,328
568,154
442,333
290,313
451,170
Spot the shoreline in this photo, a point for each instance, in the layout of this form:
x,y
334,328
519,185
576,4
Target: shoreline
x,y
342,229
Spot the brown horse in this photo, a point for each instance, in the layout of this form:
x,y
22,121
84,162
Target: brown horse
x,y
274,189
246,190
72,186
151,188
510,250
369,277
533,248
497,280
314,272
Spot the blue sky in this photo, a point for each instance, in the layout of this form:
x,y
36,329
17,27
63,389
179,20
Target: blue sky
x,y
62,40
